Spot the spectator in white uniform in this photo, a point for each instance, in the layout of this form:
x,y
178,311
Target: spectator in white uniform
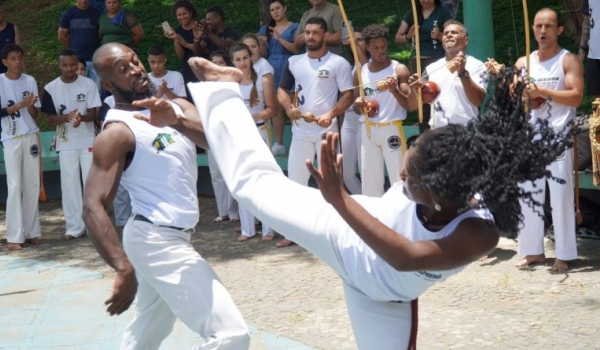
x,y
71,103
462,83
315,78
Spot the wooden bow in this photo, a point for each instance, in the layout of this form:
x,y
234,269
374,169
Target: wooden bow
x,y
418,56
361,91
527,41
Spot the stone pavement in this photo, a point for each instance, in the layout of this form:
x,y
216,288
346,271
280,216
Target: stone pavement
x,y
52,296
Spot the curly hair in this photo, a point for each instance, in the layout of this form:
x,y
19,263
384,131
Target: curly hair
x,y
375,31
481,165
186,4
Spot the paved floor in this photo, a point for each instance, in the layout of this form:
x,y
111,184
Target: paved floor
x,y
51,297
47,305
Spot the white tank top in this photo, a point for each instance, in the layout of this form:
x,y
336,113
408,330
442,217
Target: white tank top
x,y
389,108
260,105
161,178
550,74
368,272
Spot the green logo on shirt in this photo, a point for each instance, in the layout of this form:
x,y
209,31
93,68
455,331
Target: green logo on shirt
x,y
162,141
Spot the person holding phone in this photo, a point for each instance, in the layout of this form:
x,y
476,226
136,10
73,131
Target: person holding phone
x,y
278,39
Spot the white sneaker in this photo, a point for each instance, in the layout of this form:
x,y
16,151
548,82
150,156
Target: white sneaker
x,y
277,149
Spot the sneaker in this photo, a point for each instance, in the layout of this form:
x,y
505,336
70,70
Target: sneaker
x,y
278,150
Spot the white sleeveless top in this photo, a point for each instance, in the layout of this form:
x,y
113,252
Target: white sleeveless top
x,y
389,108
161,178
550,74
260,105
381,281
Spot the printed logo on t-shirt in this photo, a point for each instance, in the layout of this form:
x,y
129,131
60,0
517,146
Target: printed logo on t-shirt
x,y
394,142
323,73
369,92
61,109
428,276
162,141
81,98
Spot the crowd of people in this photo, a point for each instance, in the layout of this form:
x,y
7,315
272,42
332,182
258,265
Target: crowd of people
x,y
132,135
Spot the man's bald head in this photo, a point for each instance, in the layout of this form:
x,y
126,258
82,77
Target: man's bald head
x,y
106,54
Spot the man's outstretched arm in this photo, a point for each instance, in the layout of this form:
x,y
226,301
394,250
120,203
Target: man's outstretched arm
x,y
162,114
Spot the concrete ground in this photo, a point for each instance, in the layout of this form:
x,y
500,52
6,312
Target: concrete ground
x,y
51,296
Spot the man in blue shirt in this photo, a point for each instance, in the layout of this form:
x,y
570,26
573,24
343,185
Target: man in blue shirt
x,y
78,31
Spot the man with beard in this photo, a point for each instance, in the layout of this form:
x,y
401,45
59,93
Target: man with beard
x,y
462,83
382,136
70,102
318,76
157,165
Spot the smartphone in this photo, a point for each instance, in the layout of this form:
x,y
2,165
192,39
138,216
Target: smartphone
x,y
167,28
345,39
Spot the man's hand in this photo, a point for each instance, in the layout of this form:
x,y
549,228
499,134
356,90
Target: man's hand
x,y
460,61
123,294
161,89
29,100
161,112
74,117
324,120
292,112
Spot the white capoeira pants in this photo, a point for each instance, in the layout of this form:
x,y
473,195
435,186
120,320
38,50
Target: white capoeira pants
x,y
301,149
382,148
23,184
175,282
73,165
259,185
247,220
226,205
531,235
350,136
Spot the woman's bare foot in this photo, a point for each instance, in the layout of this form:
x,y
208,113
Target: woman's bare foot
x,y
205,70
267,238
34,241
243,238
13,246
221,218
559,266
284,243
531,259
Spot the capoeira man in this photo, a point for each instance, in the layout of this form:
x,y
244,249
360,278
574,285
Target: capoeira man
x,y
387,250
70,102
462,83
557,79
157,165
318,76
19,105
382,136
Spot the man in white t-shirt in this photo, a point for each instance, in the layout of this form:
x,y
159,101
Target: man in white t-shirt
x,y
19,136
169,84
318,76
462,83
71,102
